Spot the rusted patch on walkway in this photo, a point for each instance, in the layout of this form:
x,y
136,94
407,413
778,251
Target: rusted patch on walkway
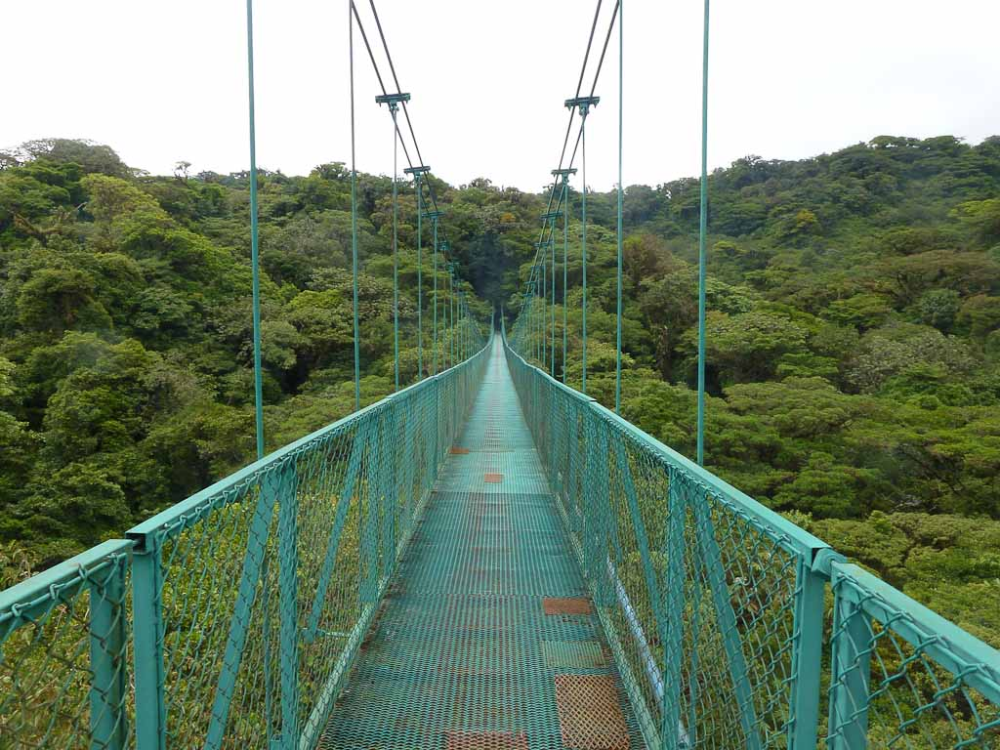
x,y
492,478
590,714
456,451
458,740
573,605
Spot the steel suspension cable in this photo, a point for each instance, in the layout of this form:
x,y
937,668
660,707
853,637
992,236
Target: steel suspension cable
x,y
593,88
572,113
354,224
702,231
378,74
541,298
395,78
420,281
395,246
258,388
430,184
583,250
434,260
552,308
621,190
565,191
597,75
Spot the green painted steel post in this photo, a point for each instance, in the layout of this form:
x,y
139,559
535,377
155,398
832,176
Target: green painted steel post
x,y
435,296
354,223
671,631
702,230
420,280
368,549
850,672
258,387
147,651
565,271
454,316
286,493
807,655
108,730
446,313
541,309
395,243
552,306
621,192
536,318
583,242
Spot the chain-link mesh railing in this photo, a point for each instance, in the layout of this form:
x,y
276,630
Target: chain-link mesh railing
x,y
64,654
904,677
715,606
247,602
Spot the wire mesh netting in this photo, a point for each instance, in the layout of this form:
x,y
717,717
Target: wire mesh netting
x,y
268,584
64,654
486,638
570,583
714,605
242,606
902,680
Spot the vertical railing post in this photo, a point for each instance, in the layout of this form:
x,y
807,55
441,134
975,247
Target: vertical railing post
x,y
107,657
284,488
850,670
807,656
368,549
672,628
147,641
390,498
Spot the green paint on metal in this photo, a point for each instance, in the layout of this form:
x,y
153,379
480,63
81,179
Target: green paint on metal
x,y
147,634
702,238
354,225
286,492
621,194
711,559
258,388
565,192
462,648
253,560
395,241
108,641
552,308
420,278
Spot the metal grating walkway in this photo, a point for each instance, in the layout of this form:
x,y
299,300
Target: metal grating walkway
x,y
486,639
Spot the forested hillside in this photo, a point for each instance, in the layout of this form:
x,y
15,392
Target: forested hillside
x,y
853,333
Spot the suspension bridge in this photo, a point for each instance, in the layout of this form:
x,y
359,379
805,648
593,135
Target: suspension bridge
x,y
487,558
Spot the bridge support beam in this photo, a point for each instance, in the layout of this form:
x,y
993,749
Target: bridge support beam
x,y
851,672
807,652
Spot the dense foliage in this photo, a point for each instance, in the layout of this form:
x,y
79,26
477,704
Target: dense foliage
x,y
126,337
853,347
854,335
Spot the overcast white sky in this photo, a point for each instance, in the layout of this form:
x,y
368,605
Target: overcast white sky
x,y
166,81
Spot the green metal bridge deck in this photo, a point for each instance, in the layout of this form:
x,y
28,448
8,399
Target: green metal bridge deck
x,y
486,638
